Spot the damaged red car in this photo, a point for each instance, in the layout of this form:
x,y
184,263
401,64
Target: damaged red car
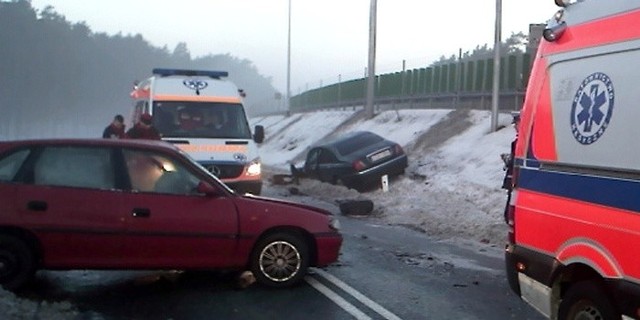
x,y
125,204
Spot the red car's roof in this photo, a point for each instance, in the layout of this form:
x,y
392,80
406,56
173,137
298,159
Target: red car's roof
x,y
153,144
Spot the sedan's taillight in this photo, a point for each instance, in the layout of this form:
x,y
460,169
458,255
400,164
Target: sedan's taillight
x,y
359,165
397,149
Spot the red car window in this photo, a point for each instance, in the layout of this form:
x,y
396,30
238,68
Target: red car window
x,y
150,172
75,167
10,165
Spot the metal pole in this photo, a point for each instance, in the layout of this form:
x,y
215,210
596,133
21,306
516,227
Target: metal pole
x,y
339,90
288,100
372,60
496,67
458,79
404,79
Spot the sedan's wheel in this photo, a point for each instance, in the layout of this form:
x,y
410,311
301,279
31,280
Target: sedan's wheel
x,y
17,262
586,301
280,260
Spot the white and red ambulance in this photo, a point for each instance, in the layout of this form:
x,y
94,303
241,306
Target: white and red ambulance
x,y
573,249
203,114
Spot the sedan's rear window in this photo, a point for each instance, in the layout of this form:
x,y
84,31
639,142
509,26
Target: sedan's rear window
x,y
357,142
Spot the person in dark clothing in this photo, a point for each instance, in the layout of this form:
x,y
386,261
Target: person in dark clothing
x,y
507,182
115,130
144,129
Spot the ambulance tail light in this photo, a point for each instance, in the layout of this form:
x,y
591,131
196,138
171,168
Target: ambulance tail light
x,y
555,27
510,215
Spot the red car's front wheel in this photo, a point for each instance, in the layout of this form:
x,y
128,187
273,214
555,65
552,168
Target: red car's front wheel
x,y
280,260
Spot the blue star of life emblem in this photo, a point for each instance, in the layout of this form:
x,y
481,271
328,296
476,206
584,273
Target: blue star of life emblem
x,y
240,157
592,108
196,85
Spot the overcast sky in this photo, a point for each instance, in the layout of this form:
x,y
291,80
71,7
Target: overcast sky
x,y
328,38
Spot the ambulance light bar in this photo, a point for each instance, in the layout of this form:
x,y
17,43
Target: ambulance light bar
x,y
182,72
560,3
554,32
565,3
555,27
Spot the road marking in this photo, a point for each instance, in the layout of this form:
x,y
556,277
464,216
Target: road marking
x,y
359,296
344,304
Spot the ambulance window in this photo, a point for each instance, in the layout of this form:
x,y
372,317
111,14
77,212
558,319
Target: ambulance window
x,y
200,120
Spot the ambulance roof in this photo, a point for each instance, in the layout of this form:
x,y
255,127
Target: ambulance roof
x,y
584,11
202,84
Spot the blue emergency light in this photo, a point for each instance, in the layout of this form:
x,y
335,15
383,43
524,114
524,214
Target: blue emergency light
x,y
182,72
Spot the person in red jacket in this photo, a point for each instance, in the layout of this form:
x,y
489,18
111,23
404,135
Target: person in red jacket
x,y
115,130
144,129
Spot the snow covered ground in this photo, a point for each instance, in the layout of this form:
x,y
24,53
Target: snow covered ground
x,y
451,189
15,308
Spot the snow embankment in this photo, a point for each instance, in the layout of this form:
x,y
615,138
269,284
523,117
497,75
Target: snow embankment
x,y
452,186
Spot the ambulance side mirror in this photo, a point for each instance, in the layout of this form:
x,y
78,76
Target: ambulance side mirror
x,y
258,135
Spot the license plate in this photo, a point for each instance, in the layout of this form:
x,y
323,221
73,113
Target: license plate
x,y
380,155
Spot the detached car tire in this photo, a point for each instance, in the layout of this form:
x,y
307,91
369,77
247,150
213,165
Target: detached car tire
x,y
355,207
280,260
17,262
586,300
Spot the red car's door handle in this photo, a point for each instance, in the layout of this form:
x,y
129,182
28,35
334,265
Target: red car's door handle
x,y
141,212
37,206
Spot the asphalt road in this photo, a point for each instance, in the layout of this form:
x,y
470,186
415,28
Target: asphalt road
x,y
384,272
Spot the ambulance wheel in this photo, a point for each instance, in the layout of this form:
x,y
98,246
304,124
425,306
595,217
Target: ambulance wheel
x,y
588,301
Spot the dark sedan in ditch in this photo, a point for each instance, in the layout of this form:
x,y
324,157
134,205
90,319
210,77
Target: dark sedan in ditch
x,y
356,160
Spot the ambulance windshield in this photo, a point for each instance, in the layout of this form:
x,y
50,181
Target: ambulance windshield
x,y
175,119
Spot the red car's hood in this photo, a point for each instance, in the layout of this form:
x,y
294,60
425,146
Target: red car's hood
x,y
290,203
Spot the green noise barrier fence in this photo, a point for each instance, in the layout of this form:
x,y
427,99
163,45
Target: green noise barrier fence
x,y
463,84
